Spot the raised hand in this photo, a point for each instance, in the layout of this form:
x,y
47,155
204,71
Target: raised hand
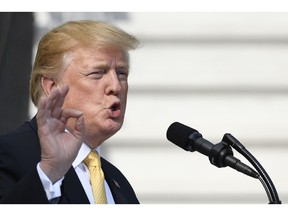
x,y
59,148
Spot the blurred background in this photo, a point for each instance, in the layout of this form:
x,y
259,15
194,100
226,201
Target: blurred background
x,y
215,72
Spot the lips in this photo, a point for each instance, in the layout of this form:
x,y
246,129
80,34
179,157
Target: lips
x,y
115,106
115,109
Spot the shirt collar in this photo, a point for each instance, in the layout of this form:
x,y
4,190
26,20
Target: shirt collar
x,y
82,154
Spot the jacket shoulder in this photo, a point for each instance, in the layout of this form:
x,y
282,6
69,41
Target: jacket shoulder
x,y
21,145
27,131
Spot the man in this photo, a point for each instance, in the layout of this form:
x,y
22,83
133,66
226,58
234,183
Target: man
x,y
79,84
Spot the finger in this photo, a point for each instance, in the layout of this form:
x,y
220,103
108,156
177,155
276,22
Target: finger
x,y
64,90
53,100
45,105
69,113
58,101
41,120
50,99
79,128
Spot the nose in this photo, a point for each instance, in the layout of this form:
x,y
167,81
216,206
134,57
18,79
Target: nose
x,y
113,85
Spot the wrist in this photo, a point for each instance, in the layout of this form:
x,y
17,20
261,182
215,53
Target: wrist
x,y
51,172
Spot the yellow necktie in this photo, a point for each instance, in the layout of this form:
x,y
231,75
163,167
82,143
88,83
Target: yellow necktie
x,y
93,163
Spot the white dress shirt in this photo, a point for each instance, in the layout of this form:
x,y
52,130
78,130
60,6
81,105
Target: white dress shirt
x,y
54,191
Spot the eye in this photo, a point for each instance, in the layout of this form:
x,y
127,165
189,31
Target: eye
x,y
96,74
122,74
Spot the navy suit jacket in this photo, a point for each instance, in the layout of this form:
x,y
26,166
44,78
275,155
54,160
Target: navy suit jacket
x,y
20,182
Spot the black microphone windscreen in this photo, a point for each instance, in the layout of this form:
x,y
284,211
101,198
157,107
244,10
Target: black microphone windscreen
x,y
178,134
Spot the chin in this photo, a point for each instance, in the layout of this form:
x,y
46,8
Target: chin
x,y
113,126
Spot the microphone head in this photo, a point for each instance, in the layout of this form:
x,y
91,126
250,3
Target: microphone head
x,y
178,134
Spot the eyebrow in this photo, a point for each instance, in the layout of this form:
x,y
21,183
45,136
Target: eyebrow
x,y
104,64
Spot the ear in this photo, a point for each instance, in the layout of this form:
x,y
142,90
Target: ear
x,y
47,84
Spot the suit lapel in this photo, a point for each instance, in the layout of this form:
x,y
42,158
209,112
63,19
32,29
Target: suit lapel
x,y
72,189
115,190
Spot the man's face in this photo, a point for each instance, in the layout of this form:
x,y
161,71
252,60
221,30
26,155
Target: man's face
x,y
98,85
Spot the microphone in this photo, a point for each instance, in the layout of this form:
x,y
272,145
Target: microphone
x,y
220,155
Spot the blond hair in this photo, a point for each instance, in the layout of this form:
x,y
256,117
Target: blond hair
x,y
53,50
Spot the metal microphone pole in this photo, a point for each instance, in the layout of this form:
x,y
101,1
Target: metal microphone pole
x,y
264,177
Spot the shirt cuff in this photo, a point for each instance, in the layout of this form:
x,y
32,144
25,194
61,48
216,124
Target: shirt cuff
x,y
52,190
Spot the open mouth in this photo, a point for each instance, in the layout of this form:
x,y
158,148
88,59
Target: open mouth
x,y
115,107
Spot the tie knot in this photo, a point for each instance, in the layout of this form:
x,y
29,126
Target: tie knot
x,y
92,160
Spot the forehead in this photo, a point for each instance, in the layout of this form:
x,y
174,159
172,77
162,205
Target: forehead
x,y
103,54
90,58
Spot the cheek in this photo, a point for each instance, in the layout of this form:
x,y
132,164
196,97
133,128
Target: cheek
x,y
73,100
125,90
124,99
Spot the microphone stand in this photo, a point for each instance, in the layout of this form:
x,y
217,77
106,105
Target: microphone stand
x,y
264,177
